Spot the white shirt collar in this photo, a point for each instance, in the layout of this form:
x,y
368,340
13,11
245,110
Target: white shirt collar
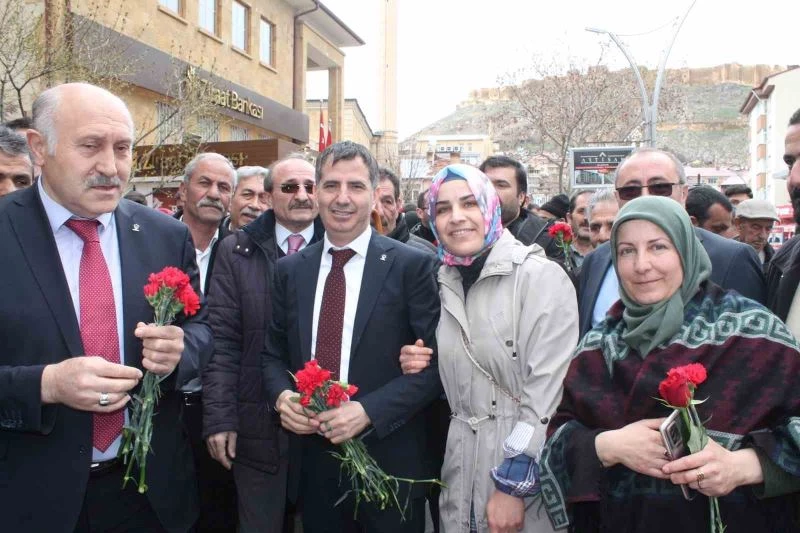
x,y
359,245
57,214
282,234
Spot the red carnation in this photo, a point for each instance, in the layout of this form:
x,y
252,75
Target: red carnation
x,y
351,390
336,395
189,299
695,372
151,289
562,231
305,401
311,377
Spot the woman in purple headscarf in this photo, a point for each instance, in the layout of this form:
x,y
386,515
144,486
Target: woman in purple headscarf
x,y
508,326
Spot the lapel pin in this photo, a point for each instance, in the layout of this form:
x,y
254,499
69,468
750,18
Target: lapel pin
x,y
383,257
135,227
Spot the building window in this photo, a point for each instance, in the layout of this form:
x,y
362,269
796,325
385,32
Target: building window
x,y
266,37
168,123
208,15
239,134
208,129
172,5
240,22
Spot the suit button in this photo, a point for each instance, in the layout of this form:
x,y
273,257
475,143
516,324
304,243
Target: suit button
x,y
544,420
81,450
509,343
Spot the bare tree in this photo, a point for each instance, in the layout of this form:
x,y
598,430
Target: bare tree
x,y
561,102
37,51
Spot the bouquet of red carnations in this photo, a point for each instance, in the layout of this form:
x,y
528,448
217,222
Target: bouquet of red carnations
x,y
368,480
677,391
169,292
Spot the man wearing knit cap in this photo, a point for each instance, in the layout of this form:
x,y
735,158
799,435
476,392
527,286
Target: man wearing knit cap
x,y
556,207
754,221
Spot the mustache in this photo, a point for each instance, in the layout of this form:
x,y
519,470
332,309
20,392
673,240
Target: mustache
x,y
302,204
103,181
251,211
206,202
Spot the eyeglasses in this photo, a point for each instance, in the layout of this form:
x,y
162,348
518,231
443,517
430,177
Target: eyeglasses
x,y
292,188
630,192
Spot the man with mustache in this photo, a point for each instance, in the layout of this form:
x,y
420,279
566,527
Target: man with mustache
x,y
239,431
576,218
249,198
783,272
74,331
208,183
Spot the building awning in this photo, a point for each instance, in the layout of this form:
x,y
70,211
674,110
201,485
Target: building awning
x,y
326,23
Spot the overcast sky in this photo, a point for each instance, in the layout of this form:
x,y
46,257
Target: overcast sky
x,y
448,47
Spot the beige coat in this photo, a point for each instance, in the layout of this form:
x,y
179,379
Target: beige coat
x,y
521,325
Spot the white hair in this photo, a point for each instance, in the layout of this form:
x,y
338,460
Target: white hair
x,y
600,196
202,156
46,105
243,173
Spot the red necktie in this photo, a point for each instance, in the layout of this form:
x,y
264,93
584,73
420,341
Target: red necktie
x,y
295,241
331,314
98,321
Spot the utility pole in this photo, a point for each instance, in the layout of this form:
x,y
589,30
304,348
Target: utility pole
x,y
649,110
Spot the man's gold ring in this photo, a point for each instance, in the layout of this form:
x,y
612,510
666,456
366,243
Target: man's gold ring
x,y
700,477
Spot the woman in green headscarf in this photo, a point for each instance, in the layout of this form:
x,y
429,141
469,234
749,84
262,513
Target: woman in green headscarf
x,y
605,467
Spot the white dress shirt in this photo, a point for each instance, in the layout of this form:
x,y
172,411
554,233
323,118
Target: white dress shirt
x,y
282,236
606,297
203,260
70,250
353,273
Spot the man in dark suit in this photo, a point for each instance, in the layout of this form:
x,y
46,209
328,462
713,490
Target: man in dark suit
x,y
351,302
649,171
241,433
74,336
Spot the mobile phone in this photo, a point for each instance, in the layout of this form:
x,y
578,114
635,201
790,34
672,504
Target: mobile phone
x,y
674,435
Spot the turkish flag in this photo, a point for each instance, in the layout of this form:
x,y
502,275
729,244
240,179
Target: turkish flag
x,y
321,145
328,142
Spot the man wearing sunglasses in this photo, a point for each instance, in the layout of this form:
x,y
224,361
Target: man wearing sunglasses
x,y
237,428
652,172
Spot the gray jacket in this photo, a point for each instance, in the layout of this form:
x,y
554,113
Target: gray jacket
x,y
521,326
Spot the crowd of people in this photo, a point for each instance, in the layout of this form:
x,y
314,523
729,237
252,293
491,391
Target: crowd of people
x,y
520,372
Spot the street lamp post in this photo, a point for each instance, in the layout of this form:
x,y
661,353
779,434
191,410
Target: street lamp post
x,y
649,111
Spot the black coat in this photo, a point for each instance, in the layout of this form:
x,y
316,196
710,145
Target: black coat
x,y
783,276
240,310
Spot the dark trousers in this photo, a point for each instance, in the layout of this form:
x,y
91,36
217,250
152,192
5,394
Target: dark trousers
x,y
437,419
215,484
261,497
320,490
107,508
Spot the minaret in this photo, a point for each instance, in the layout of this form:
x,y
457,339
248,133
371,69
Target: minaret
x,y
386,149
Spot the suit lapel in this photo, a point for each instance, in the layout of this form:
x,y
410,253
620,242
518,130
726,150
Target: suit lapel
x,y
380,256
596,280
305,282
132,238
29,222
